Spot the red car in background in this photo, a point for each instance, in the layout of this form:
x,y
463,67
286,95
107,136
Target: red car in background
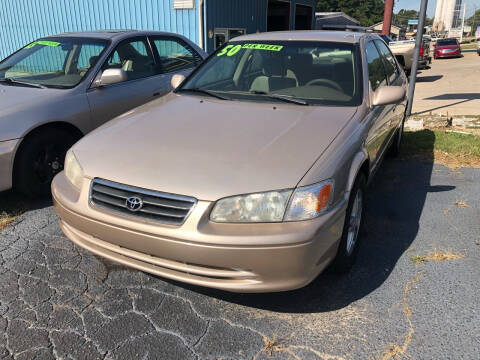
x,y
447,48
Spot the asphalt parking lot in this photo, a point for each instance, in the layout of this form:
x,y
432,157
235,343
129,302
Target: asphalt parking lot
x,y
450,87
58,301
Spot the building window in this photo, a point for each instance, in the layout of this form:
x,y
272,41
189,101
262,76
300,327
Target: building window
x,y
223,35
183,4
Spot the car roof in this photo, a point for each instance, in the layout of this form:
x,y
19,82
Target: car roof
x,y
110,34
350,37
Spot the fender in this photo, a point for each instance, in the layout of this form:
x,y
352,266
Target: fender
x,y
358,160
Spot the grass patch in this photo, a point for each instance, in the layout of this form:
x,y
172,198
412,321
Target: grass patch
x,y
11,206
451,149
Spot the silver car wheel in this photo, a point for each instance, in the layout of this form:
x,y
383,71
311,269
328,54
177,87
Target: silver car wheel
x,y
354,222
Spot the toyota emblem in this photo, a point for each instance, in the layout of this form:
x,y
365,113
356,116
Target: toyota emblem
x,y
134,203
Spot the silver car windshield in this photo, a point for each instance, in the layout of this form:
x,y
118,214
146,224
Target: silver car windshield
x,y
323,73
53,62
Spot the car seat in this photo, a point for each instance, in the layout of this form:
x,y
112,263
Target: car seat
x,y
343,76
301,66
274,76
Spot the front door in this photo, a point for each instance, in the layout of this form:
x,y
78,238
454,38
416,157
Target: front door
x,y
135,57
394,79
380,116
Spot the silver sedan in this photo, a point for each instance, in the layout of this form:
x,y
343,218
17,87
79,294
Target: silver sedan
x,y
56,89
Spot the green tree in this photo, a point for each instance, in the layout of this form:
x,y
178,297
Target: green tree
x,y
474,21
401,18
368,12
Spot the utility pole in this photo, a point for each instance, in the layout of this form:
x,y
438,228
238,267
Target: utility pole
x,y
387,17
416,55
474,25
463,21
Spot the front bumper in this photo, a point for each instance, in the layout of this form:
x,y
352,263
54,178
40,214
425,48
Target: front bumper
x,y
7,156
232,257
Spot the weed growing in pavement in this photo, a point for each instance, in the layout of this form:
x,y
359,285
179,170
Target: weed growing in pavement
x,y
462,204
437,256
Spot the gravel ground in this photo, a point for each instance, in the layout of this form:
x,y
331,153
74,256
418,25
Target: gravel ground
x,y
58,301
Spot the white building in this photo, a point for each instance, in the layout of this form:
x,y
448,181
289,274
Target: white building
x,y
447,15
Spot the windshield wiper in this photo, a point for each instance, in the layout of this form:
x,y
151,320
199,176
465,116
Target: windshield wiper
x,y
282,97
206,92
13,82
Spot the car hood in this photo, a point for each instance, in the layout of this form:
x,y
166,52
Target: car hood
x,y
16,97
208,148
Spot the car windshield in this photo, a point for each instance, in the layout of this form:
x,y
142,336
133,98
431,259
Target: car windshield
x,y
53,62
447,42
308,73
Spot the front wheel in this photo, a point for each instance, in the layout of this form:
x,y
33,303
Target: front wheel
x,y
352,229
40,158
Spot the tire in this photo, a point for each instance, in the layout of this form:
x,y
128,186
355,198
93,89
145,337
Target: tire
x,y
349,243
39,159
396,144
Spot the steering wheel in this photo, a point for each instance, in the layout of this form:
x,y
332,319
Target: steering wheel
x,y
326,82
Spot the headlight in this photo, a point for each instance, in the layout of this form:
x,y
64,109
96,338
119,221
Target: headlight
x,y
73,170
310,201
273,206
262,207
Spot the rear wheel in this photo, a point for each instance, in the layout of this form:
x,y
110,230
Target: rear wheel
x,y
348,248
40,158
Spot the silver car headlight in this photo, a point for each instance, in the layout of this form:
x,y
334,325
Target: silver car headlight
x,y
261,207
306,203
310,201
73,170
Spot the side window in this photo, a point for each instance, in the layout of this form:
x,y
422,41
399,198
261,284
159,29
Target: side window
x,y
134,58
390,64
175,55
376,70
88,55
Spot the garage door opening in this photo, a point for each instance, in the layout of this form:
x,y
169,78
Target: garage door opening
x,y
278,17
303,17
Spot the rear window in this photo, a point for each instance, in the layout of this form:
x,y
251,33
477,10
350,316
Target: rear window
x,y
447,42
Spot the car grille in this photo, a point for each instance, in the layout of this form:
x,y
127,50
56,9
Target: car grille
x,y
153,205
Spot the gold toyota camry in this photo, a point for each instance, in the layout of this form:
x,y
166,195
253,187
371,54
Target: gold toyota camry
x,y
251,175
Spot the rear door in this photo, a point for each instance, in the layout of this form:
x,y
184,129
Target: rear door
x,y
378,118
135,57
173,56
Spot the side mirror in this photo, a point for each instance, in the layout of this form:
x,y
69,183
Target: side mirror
x,y
111,76
177,79
385,95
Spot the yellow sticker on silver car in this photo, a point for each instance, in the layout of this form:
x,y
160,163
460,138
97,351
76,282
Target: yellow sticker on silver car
x,y
42,42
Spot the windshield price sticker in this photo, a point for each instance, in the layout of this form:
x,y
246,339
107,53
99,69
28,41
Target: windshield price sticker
x,y
42,42
263,47
231,50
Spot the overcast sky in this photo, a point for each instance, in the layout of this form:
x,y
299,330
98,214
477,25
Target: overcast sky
x,y
415,4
